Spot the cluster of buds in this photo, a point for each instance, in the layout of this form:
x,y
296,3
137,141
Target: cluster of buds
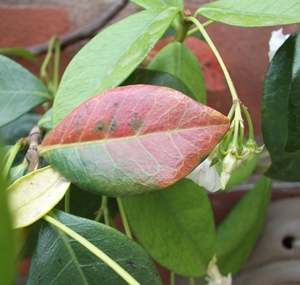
x,y
231,152
237,156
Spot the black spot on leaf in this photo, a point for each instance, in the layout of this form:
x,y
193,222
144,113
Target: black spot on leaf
x,y
113,127
99,126
135,124
131,264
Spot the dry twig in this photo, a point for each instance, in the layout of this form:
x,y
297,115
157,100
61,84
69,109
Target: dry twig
x,y
32,155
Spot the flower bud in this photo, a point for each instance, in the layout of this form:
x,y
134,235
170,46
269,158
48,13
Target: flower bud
x,y
214,276
230,164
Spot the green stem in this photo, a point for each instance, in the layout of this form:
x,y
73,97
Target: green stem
x,y
191,281
195,30
56,66
67,201
124,218
181,35
249,122
104,209
54,44
99,215
11,158
96,251
172,278
237,119
219,58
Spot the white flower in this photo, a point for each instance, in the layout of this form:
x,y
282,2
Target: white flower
x,y
206,176
276,41
214,276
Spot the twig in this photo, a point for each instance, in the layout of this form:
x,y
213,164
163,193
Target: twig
x,y
82,33
32,155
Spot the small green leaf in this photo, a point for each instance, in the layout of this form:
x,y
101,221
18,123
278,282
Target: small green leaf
x,y
73,264
148,4
180,61
158,78
34,195
7,244
20,52
274,107
293,139
239,232
175,226
20,91
252,13
109,58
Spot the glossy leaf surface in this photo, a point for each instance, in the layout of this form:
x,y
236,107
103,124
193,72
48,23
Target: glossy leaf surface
x,y
277,86
252,13
240,230
34,195
72,264
158,78
109,58
176,226
293,139
133,139
148,4
179,60
20,91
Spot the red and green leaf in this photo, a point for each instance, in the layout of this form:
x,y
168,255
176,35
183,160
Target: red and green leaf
x,y
133,139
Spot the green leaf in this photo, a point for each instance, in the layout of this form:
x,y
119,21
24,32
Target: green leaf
x,y
20,52
158,78
293,139
20,91
73,264
34,195
277,86
239,232
7,244
180,61
175,226
109,58
19,128
252,13
133,139
148,4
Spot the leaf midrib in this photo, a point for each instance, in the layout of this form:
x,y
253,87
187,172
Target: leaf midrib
x,y
43,149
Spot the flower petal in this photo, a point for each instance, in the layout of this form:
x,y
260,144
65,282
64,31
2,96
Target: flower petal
x,y
206,176
276,40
